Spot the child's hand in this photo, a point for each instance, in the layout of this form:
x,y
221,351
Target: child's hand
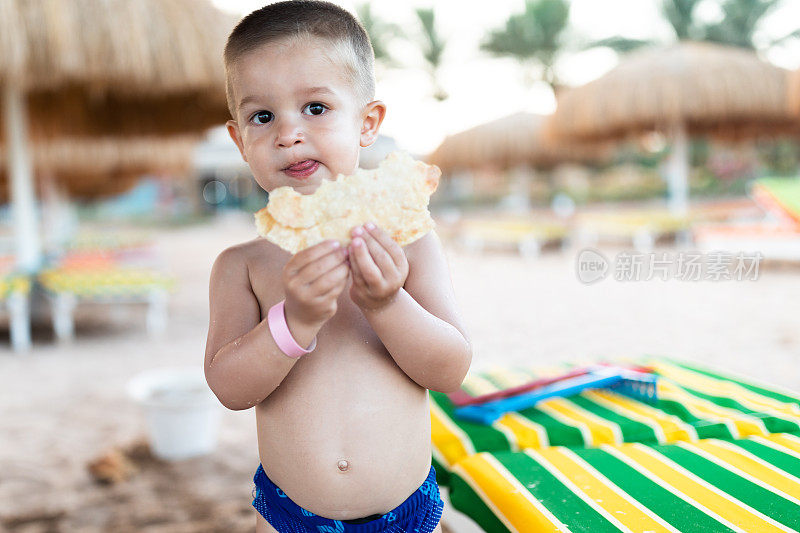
x,y
312,280
379,267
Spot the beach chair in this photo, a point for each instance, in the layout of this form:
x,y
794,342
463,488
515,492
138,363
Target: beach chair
x,y
775,234
641,228
15,289
111,284
526,236
750,484
695,406
106,268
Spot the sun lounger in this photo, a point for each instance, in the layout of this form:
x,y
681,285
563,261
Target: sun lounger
x,y
780,197
528,237
750,484
105,284
693,405
775,237
15,291
642,229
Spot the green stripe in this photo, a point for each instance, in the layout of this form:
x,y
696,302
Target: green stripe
x,y
483,437
772,423
705,428
761,499
558,433
464,499
673,510
572,511
785,398
442,474
784,461
632,430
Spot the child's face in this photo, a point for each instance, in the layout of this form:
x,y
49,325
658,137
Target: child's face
x,y
298,119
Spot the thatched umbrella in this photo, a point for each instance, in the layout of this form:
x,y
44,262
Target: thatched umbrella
x,y
686,89
94,67
794,93
505,143
90,168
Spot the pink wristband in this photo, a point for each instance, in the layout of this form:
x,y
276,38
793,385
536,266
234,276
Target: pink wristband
x,y
276,319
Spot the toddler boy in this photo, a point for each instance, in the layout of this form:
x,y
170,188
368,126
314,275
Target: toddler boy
x,y
335,346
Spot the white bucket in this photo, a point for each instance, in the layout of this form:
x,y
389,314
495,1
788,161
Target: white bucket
x,y
182,412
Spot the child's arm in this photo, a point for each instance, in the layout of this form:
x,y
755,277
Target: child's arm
x,y
412,307
243,364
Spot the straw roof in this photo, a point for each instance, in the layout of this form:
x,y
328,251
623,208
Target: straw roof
x,y
709,88
793,92
92,168
135,47
152,66
515,140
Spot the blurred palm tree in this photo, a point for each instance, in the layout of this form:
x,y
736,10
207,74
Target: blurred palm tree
x,y
533,37
432,46
380,33
679,14
740,20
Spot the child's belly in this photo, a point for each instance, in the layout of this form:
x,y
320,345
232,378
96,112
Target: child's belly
x,y
347,433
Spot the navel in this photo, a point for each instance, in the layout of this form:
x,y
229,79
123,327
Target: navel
x,y
343,465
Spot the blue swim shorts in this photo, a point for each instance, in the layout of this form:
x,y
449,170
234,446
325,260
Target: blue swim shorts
x,y
419,513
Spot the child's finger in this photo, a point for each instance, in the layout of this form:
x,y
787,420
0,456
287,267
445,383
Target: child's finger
x,y
316,269
311,254
358,279
366,266
392,248
329,280
381,257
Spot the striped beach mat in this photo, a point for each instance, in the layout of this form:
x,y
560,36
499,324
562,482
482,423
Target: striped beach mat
x,y
750,484
694,403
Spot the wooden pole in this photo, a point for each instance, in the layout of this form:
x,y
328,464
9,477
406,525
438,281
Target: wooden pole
x,y
678,170
20,171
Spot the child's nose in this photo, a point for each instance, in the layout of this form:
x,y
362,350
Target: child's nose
x,y
288,134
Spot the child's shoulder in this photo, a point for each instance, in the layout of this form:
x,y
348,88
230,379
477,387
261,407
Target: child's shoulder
x,y
238,259
423,248
240,253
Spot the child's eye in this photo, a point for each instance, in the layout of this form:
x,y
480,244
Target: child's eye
x,y
315,108
262,117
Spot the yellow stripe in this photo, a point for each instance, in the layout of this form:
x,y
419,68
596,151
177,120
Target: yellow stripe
x,y
776,446
743,425
602,431
742,462
453,444
723,505
728,389
508,377
671,427
526,433
512,503
477,385
787,441
598,491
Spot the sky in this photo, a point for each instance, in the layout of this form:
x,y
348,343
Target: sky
x,y
482,88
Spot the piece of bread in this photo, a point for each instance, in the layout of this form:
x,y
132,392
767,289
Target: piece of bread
x,y
394,196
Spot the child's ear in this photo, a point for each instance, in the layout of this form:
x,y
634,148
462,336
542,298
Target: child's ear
x,y
373,117
233,131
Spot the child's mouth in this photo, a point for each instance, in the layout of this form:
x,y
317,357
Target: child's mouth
x,y
303,169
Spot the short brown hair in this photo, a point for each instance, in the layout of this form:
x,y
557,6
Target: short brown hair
x,y
302,19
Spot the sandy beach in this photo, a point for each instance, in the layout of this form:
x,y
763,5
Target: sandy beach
x,y
64,405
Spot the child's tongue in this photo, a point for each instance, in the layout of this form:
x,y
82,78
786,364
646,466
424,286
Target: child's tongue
x,y
302,165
